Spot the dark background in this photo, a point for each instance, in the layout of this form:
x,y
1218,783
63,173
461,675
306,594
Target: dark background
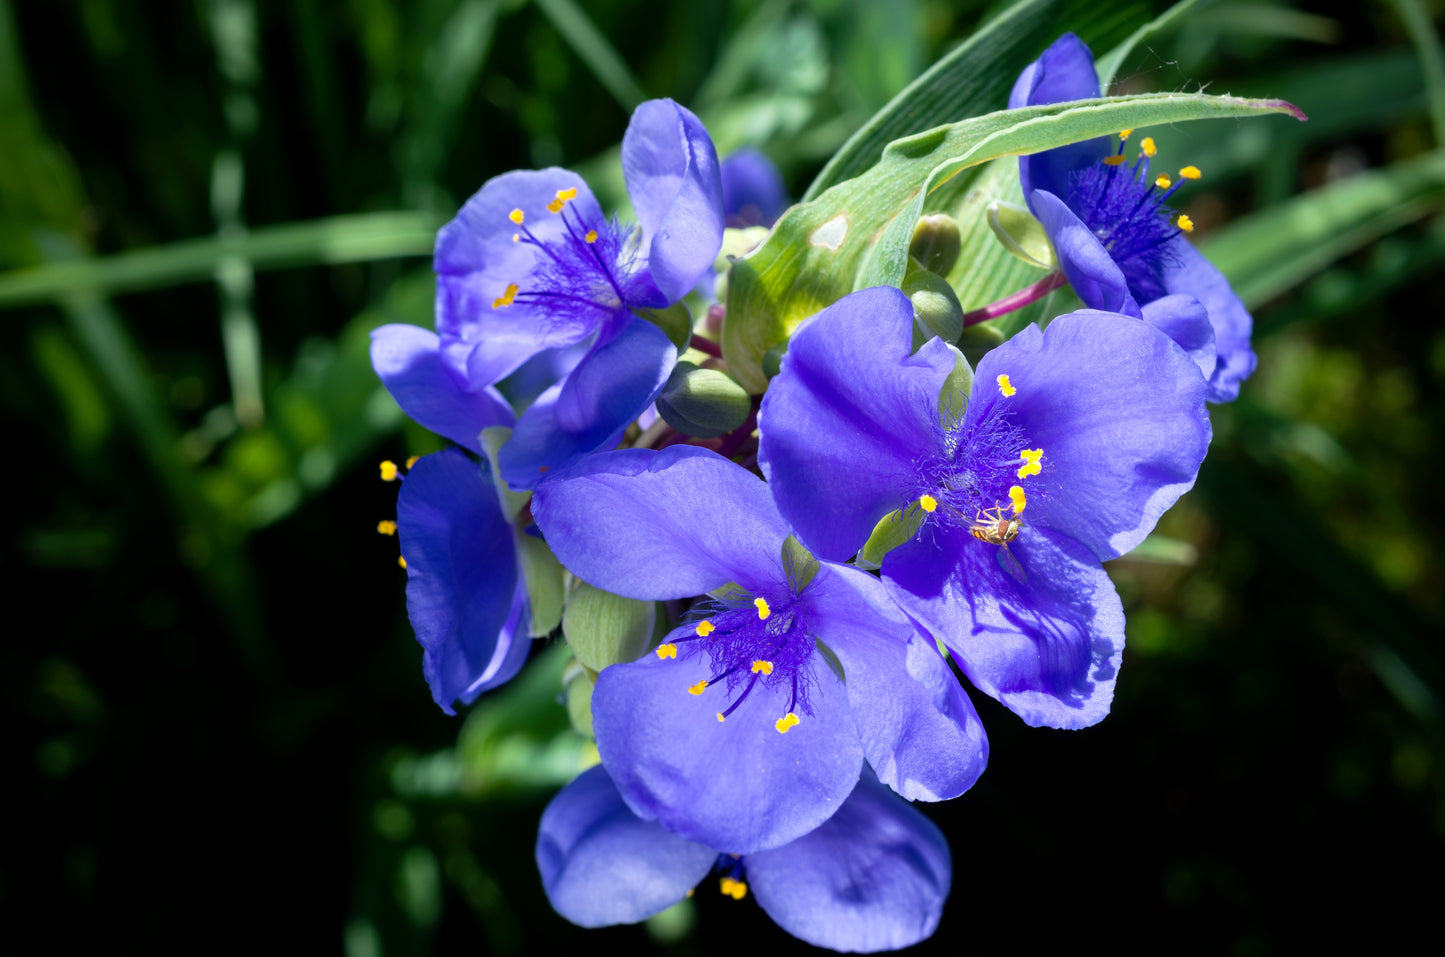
x,y
215,729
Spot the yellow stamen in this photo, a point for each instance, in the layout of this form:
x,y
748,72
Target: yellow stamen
x,y
516,216
1005,386
698,688
401,561
388,471
761,604
516,237
928,503
720,718
1163,181
1016,495
563,195
668,650
1147,147
1185,223
705,628
386,528
412,461
1190,172
737,890
1031,465
787,721
1124,134
591,236
1115,160
505,299
766,667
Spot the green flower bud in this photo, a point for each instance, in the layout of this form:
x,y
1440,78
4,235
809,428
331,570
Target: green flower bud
x,y
936,243
703,403
1021,234
936,310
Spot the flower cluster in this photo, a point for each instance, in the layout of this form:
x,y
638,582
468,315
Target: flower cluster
x,y
882,512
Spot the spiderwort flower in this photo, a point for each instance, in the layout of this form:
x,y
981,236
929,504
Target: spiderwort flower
x,y
873,877
1073,442
464,595
1117,240
747,728
753,190
530,264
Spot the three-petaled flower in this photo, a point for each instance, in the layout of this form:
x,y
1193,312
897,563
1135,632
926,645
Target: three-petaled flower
x,y
530,266
749,725
873,877
1118,242
1073,442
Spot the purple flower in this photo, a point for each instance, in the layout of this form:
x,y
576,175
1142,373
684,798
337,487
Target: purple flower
x,y
873,877
748,726
464,594
1073,443
1117,239
530,264
753,190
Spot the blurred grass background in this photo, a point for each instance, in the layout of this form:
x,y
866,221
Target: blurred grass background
x,y
217,735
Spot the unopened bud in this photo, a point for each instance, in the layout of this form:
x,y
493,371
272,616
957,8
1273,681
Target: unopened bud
x,y
703,403
936,310
936,243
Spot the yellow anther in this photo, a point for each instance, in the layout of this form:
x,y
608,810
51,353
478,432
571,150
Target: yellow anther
x,y
1005,386
705,628
1115,160
1124,135
1185,223
927,502
766,667
698,688
720,717
516,216
591,236
505,299
386,528
563,195
668,650
761,604
785,722
388,471
1147,147
1190,172
1163,181
1016,495
737,890
1031,464
516,237
401,561
556,206
412,460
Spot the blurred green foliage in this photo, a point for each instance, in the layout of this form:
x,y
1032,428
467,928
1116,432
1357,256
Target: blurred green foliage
x,y
216,722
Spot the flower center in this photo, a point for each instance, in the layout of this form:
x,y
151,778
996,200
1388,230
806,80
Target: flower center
x,y
582,271
1126,209
974,480
751,641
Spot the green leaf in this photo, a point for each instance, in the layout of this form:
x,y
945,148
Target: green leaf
x,y
592,48
857,234
894,529
336,239
1108,64
1277,248
798,564
976,76
546,584
605,629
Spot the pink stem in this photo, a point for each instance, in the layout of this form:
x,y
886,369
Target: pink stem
x,y
702,344
1018,300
